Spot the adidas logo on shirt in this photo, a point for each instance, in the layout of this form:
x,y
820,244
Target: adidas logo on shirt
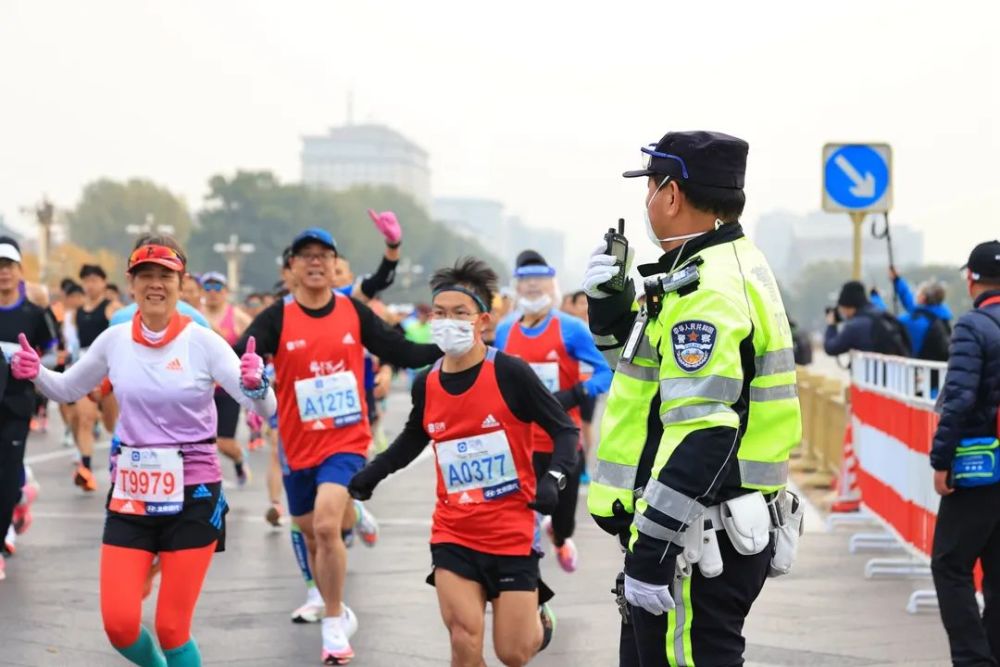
x,y
552,356
201,492
490,422
318,425
464,499
348,339
174,365
128,508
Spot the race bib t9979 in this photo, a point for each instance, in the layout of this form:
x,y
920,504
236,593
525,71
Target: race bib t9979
x,y
477,468
333,397
149,482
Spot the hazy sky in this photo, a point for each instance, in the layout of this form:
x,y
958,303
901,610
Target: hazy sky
x,y
538,104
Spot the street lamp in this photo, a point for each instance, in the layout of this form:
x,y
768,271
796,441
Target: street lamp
x,y
233,252
148,227
45,214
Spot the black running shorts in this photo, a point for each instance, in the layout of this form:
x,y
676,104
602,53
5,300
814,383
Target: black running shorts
x,y
201,522
495,574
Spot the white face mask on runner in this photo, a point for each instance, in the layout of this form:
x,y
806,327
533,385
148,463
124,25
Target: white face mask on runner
x,y
454,337
536,305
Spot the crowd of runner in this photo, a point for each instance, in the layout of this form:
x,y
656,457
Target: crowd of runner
x,y
504,384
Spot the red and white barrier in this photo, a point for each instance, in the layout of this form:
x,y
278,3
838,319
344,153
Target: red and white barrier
x,y
893,423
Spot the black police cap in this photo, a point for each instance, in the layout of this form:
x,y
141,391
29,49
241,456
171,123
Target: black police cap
x,y
709,159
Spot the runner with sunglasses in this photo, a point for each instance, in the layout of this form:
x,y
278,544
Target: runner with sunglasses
x,y
317,338
167,495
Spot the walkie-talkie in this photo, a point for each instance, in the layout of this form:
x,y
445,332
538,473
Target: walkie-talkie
x,y
618,247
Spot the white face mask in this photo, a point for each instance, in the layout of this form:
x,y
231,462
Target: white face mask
x,y
534,306
649,225
454,337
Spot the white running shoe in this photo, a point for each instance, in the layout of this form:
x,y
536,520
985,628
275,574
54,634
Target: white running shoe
x,y
313,610
349,620
366,526
336,646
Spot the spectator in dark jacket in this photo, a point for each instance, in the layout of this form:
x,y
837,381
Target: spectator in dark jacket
x,y
858,313
968,520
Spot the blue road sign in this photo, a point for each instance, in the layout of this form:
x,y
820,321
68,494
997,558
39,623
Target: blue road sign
x,y
857,177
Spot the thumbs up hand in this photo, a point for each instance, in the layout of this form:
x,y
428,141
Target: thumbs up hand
x,y
25,363
251,366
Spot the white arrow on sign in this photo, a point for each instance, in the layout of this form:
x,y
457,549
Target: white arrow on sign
x,y
863,186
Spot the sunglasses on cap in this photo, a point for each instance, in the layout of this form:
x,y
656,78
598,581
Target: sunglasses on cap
x,y
649,152
155,254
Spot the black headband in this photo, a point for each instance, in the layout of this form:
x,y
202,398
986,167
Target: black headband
x,y
458,288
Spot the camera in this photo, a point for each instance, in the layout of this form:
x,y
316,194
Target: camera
x,y
836,314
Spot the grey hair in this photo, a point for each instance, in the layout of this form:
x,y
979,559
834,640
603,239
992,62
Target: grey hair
x,y
933,291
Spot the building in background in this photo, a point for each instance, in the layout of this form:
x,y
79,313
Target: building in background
x,y
792,242
505,235
369,154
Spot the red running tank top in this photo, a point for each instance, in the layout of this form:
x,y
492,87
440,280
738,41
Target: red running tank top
x,y
319,374
547,355
485,478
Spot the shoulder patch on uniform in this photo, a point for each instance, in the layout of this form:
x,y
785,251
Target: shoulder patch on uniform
x,y
693,342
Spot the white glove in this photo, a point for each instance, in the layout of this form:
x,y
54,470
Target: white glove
x,y
653,598
601,268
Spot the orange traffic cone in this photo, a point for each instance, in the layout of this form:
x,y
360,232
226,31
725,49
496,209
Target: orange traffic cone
x,y
849,496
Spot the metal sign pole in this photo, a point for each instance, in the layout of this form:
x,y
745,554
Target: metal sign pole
x,y
857,217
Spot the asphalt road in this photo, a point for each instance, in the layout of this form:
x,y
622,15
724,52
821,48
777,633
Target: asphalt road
x,y
824,613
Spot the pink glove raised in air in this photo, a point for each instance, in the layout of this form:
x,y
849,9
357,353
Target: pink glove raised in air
x,y
25,363
251,366
387,225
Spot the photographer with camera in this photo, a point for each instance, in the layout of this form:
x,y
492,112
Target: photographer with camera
x,y
866,328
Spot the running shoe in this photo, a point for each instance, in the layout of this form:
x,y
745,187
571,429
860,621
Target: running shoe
x,y
84,478
256,441
21,520
336,645
313,610
349,619
273,514
566,554
243,474
585,477
366,526
34,425
10,541
548,618
3,569
67,439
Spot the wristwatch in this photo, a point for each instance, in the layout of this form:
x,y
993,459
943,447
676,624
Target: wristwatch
x,y
560,479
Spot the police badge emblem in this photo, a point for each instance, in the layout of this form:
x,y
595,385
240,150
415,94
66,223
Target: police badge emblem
x,y
693,342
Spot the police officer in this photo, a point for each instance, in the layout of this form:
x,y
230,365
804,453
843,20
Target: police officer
x,y
702,414
966,473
